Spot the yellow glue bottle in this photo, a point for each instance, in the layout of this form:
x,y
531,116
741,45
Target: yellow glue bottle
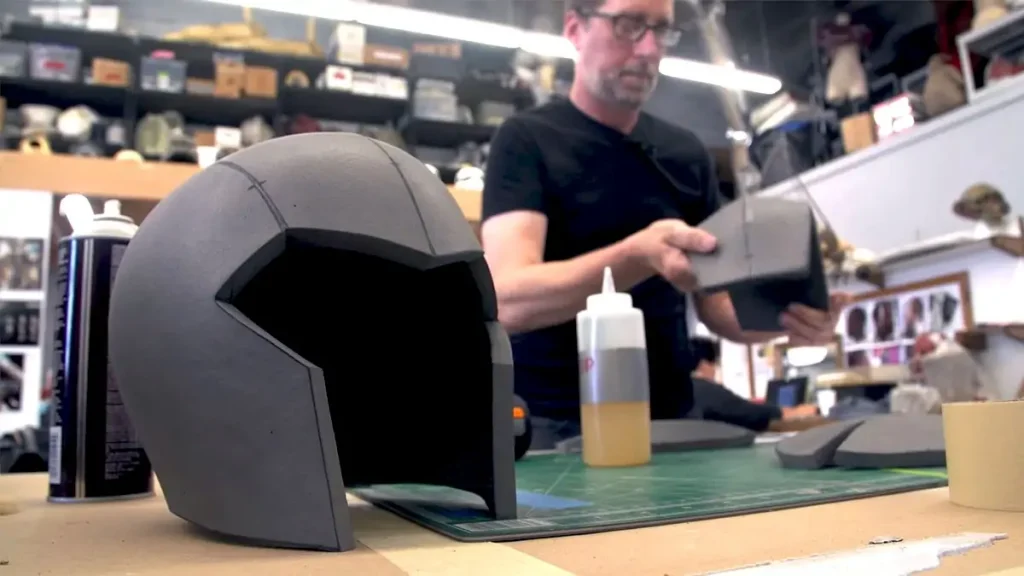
x,y
614,388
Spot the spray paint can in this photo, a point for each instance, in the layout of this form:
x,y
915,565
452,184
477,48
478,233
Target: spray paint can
x,y
94,451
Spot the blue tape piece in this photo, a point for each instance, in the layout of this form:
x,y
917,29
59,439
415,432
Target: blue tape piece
x,y
548,502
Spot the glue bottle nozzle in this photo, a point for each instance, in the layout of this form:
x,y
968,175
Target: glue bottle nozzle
x,y
609,282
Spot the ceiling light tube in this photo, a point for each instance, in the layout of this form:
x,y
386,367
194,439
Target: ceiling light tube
x,y
480,32
721,76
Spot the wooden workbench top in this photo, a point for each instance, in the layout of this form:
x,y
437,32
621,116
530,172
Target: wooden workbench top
x,y
142,538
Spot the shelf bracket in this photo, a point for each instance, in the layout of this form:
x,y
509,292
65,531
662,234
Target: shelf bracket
x,y
972,340
1013,246
875,276
1015,331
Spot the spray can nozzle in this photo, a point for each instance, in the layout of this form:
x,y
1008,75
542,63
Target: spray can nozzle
x,y
112,208
84,222
77,209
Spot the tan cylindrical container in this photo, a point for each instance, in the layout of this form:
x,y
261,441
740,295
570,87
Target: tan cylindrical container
x,y
985,454
615,412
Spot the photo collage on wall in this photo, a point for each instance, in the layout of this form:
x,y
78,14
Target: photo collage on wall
x,y
882,330
25,223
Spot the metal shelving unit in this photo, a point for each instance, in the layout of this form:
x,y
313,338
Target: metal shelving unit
x,y
128,104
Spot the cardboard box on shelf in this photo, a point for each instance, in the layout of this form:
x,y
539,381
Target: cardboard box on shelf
x,y
229,79
451,50
205,138
107,72
386,56
858,132
260,82
349,42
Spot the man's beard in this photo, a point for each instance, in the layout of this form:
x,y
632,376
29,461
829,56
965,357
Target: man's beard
x,y
621,89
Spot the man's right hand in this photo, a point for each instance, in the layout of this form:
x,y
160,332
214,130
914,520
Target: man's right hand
x,y
799,412
663,246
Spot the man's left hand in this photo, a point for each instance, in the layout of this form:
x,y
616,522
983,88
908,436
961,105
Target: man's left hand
x,y
807,326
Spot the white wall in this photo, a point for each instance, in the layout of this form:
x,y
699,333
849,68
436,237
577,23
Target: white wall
x,y
735,368
902,190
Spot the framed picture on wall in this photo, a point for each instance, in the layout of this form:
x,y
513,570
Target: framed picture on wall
x,y
880,327
21,263
26,217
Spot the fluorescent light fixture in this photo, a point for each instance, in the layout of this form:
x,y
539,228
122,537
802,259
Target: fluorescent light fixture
x,y
548,45
723,76
805,356
499,35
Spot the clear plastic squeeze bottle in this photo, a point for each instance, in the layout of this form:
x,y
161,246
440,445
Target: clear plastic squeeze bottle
x,y
614,389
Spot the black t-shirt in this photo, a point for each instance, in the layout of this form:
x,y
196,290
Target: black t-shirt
x,y
598,186
712,401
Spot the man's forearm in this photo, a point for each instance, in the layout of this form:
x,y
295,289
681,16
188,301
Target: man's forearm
x,y
754,337
718,314
541,295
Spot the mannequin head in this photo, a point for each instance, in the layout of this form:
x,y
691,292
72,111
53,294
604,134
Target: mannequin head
x,y
982,202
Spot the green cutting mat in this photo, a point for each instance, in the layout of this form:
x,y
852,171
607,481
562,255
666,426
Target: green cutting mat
x,y
558,495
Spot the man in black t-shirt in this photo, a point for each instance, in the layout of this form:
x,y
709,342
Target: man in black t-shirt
x,y
712,401
574,186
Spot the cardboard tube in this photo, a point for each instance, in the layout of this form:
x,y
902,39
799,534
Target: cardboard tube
x,y
984,454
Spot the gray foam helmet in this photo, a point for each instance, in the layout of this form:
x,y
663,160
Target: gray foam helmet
x,y
310,314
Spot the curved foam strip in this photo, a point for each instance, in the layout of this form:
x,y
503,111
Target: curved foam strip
x,y
814,448
894,441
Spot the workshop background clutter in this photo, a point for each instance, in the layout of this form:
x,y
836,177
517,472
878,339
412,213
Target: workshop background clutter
x,y
875,144
878,118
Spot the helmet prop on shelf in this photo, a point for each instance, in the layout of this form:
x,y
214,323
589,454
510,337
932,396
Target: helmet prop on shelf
x,y
300,318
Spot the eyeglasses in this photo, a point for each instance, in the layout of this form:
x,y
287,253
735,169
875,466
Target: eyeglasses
x,y
633,27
